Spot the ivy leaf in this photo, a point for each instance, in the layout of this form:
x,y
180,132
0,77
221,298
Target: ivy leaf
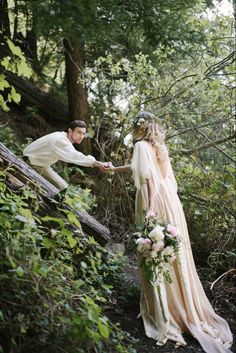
x,y
3,83
72,242
43,270
5,62
72,218
23,69
14,49
20,272
103,329
16,97
48,243
93,335
76,319
3,104
92,314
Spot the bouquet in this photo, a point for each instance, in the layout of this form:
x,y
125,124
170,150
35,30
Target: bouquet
x,y
158,246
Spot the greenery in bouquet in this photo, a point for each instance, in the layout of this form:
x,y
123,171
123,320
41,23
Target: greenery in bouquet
x,y
158,246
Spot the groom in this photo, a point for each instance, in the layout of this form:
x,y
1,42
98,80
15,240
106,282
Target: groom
x,y
49,149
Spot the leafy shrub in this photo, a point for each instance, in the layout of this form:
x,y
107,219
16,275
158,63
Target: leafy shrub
x,y
7,137
54,284
79,198
208,199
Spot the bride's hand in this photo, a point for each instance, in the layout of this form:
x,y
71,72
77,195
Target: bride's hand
x,y
150,214
109,167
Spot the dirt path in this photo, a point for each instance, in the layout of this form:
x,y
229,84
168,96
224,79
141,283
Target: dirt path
x,y
127,310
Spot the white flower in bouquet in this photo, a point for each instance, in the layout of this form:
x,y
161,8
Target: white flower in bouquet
x,y
171,230
153,254
143,244
158,246
157,234
139,240
168,251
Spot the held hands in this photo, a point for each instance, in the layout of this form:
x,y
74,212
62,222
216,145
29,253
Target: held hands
x,y
109,167
104,166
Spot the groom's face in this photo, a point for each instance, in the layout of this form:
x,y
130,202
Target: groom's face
x,y
77,135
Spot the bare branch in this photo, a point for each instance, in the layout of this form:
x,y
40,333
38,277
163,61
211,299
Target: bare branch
x,y
219,149
204,200
208,145
221,276
168,90
221,64
191,128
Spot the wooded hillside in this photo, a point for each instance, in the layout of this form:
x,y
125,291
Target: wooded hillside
x,y
68,278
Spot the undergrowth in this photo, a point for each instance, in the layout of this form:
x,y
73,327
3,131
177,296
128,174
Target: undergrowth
x,y
55,284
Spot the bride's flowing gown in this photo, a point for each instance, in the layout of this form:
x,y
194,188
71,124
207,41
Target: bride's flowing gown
x,y
186,306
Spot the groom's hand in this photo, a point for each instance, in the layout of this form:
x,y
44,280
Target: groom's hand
x,y
100,165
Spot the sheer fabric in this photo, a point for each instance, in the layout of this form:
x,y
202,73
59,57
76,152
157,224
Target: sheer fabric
x,y
185,303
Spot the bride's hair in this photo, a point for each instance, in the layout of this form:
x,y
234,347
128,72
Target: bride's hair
x,y
149,129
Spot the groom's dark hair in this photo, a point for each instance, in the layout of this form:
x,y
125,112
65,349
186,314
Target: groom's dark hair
x,y
75,123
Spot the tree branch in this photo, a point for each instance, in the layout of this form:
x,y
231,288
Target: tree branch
x,y
208,145
183,131
211,70
219,149
218,66
168,90
209,201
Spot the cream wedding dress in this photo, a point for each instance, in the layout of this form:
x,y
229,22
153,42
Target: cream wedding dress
x,y
185,304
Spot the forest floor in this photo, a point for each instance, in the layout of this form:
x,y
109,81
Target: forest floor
x,y
127,310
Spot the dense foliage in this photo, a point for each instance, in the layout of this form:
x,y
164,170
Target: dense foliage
x,y
14,62
55,284
194,99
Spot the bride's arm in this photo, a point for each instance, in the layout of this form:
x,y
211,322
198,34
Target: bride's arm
x,y
150,187
123,168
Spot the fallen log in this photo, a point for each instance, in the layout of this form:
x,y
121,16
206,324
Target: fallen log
x,y
33,96
21,174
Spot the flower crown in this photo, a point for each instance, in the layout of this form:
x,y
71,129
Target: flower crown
x,y
142,117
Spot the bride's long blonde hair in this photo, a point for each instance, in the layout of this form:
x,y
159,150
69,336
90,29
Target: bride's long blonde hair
x,y
146,128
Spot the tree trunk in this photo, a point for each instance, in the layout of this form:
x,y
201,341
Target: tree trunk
x,y
20,175
15,27
31,40
4,25
77,93
4,19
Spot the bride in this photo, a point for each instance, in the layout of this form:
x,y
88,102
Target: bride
x,y
185,303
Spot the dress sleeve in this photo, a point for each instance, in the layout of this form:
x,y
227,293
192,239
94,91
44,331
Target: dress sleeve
x,y
140,164
67,153
163,159
162,153
165,165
